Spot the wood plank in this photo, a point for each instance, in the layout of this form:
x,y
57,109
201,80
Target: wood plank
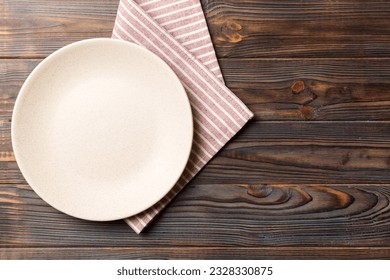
x,y
251,28
283,89
215,215
259,71
266,253
312,89
302,157
261,28
37,28
283,152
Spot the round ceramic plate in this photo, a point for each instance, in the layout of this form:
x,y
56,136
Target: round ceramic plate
x,y
102,129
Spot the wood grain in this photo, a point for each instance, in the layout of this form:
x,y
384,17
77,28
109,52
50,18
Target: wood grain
x,y
297,160
282,152
307,178
215,215
258,253
37,28
332,89
299,29
239,29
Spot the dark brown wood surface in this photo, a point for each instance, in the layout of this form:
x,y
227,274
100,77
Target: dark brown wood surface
x,y
309,177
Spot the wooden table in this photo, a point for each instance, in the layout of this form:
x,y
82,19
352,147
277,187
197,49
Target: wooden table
x,y
307,178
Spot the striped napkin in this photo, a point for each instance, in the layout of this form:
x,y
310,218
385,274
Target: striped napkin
x,y
176,31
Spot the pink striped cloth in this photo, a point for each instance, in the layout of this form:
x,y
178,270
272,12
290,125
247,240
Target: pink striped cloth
x,y
176,31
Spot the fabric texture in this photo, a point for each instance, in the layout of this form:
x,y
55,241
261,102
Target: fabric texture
x,y
176,31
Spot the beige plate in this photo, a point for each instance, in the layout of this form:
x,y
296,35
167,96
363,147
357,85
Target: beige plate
x,y
102,129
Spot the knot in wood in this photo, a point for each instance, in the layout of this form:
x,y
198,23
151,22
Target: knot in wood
x,y
308,112
297,87
233,25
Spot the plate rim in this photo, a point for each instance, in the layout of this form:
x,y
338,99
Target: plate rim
x,y
34,74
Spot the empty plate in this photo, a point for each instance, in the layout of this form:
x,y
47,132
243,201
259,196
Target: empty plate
x,y
102,129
